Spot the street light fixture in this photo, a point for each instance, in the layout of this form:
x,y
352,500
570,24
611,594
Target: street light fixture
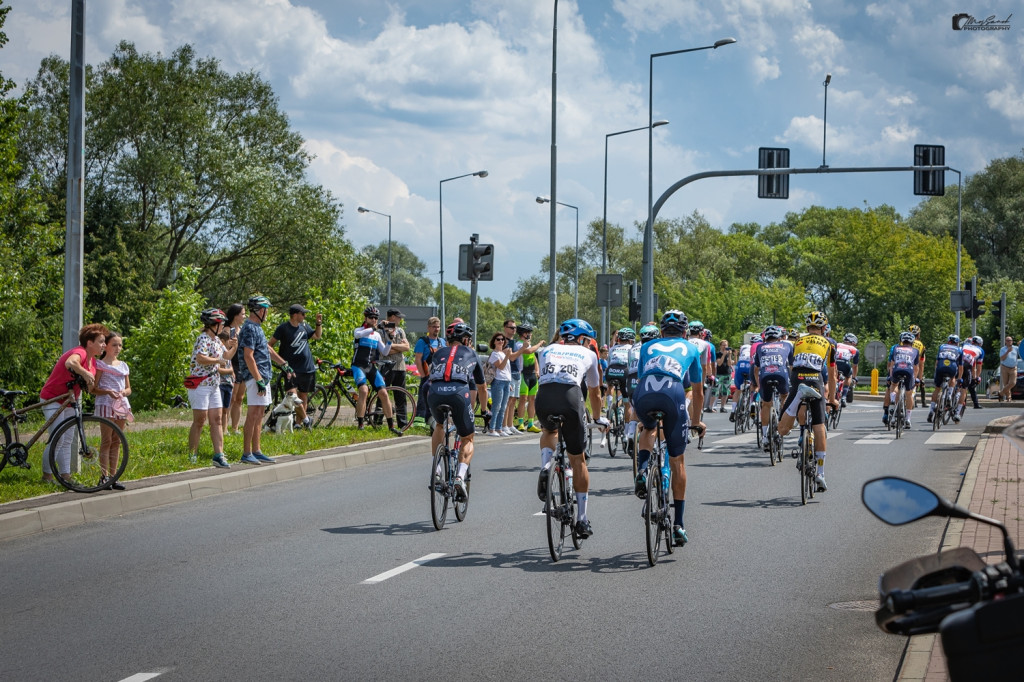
x,y
604,221
367,210
576,279
440,226
647,298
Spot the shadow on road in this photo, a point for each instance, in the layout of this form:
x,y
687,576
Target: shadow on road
x,y
774,503
539,560
384,529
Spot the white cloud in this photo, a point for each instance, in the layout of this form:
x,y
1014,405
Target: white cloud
x,y
766,69
1007,102
821,48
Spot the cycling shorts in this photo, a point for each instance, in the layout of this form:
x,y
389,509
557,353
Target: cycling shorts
x,y
770,384
906,377
631,381
615,372
942,374
566,401
741,374
843,369
817,406
368,375
529,385
620,383
653,395
455,396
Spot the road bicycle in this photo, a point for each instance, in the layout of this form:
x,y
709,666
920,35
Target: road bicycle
x,y
443,470
326,408
742,412
898,411
807,464
560,505
657,511
832,421
947,406
774,439
615,437
80,440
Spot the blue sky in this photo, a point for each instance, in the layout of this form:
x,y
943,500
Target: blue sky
x,y
392,97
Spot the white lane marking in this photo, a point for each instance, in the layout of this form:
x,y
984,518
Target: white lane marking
x,y
742,438
142,677
403,568
946,438
876,439
540,513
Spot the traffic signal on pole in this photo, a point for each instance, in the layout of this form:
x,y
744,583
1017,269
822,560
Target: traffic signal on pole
x,y
997,309
634,302
929,183
481,265
773,186
977,309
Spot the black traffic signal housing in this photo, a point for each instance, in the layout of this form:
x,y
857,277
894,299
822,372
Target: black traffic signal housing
x,y
634,302
929,183
996,308
773,186
476,261
977,308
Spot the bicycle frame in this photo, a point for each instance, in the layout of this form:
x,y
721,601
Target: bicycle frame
x,y
12,417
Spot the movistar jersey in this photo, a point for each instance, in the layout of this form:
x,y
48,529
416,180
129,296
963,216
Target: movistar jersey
x,y
674,357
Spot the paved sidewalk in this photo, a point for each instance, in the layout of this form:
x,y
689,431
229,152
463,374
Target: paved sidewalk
x,y
992,487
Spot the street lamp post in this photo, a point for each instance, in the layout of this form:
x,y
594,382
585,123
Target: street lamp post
x,y
440,227
647,297
576,278
367,210
552,294
604,222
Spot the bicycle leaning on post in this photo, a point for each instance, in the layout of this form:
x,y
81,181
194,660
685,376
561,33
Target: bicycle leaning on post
x,y
89,467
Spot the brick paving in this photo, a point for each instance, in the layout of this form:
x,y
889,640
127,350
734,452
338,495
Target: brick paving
x,y
992,487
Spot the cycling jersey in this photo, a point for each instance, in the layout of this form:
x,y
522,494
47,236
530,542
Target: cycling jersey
x,y
633,367
455,364
667,366
904,358
812,354
847,354
972,355
773,358
568,364
745,353
703,348
948,358
618,361
369,347
673,357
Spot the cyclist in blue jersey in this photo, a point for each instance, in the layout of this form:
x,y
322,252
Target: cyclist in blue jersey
x,y
904,360
369,347
668,366
949,363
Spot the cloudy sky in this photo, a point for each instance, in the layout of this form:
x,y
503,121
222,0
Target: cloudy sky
x,y
393,97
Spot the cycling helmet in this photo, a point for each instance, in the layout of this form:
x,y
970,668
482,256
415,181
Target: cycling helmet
x,y
575,328
771,332
627,334
524,328
816,318
696,327
675,320
371,311
706,335
458,330
649,332
850,339
258,302
914,329
212,316
793,332
977,341
827,329
953,339
907,337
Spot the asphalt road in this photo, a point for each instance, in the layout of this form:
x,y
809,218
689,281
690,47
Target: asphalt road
x,y
271,583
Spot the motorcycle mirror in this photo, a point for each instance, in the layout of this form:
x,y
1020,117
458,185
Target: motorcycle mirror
x,y
898,501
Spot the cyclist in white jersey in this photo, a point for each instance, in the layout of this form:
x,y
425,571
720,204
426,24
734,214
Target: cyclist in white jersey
x,y
563,366
707,366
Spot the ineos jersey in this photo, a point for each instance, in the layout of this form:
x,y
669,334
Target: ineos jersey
x,y
949,356
847,353
773,358
456,363
369,347
565,363
903,358
674,357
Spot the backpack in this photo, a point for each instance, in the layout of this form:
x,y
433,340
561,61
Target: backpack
x,y
489,372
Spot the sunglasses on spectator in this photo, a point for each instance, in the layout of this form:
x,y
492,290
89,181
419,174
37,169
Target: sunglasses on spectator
x,y
499,338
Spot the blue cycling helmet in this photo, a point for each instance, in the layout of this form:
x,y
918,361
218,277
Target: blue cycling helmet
x,y
576,328
675,320
907,337
649,332
953,339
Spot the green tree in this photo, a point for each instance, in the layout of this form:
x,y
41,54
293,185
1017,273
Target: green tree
x,y
409,283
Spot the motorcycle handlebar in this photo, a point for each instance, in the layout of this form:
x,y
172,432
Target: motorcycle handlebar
x,y
903,601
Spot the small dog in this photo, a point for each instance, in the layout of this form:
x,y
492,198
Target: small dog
x,y
284,414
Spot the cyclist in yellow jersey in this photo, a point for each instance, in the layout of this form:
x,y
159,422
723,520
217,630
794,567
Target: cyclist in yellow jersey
x,y
919,370
812,353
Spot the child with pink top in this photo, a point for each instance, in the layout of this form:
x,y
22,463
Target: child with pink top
x,y
112,389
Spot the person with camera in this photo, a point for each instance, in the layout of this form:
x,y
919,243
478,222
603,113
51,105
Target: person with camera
x,y
395,376
370,345
294,336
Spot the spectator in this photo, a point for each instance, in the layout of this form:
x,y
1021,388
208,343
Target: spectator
x,y
395,334
723,373
1007,369
294,336
515,348
370,345
425,348
112,389
205,369
528,381
236,316
227,379
256,372
500,385
80,361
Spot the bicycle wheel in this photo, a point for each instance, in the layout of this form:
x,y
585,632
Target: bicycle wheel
x,y
440,478
737,417
555,509
461,507
947,412
402,405
654,508
7,441
332,410
317,405
613,432
805,454
899,416
83,465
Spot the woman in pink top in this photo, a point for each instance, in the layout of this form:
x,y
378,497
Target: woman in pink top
x,y
79,361
112,389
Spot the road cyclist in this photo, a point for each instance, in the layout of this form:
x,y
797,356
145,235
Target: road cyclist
x,y
563,368
771,368
455,377
847,363
668,367
740,375
973,355
705,349
812,353
647,333
904,361
949,365
616,378
919,372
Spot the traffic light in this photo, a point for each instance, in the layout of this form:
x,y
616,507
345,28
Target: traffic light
x,y
476,261
977,309
997,309
634,302
929,183
773,186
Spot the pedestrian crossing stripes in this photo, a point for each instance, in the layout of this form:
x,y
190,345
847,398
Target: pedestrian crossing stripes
x,y
876,439
946,438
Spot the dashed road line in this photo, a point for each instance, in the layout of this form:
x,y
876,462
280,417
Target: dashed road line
x,y
381,577
142,677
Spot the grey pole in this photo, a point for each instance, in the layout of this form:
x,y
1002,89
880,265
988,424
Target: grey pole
x,y
440,229
473,239
367,210
604,226
959,231
824,120
647,295
74,240
552,293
